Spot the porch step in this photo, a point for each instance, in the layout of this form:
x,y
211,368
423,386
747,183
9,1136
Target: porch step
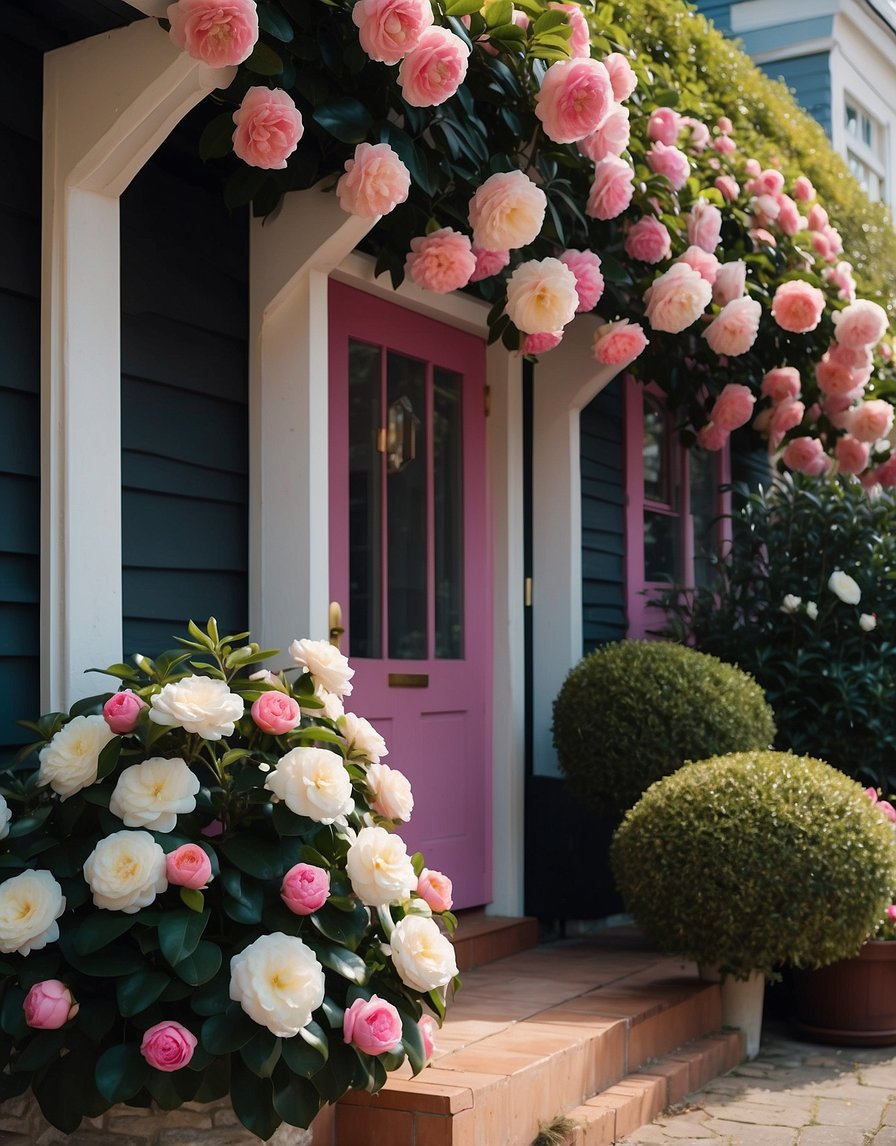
x,y
482,938
606,1034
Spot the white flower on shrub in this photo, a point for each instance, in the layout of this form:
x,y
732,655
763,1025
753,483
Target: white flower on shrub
x,y
811,610
390,792
327,665
332,709
380,868
313,782
5,817
200,704
844,587
362,741
868,622
69,762
791,603
153,794
422,955
278,982
126,871
30,904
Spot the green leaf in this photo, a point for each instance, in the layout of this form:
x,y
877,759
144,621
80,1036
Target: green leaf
x,y
253,1100
66,1091
216,140
192,898
96,1017
239,189
202,965
264,61
213,997
43,1048
273,21
347,928
223,1034
180,932
137,992
412,1041
304,1057
120,1072
261,1053
462,7
12,1016
548,20
171,1090
345,118
295,1100
499,12
255,855
344,962
243,898
95,932
108,758
30,823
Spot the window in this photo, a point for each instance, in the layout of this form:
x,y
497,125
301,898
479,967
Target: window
x,y
673,505
866,149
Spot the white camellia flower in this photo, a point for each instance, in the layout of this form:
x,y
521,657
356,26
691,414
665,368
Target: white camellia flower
x,y
30,904
380,868
333,708
69,762
5,817
362,741
327,665
153,794
868,622
313,782
844,587
278,982
423,956
126,871
811,610
199,704
791,603
390,791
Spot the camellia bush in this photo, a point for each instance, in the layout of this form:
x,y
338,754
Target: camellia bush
x,y
203,896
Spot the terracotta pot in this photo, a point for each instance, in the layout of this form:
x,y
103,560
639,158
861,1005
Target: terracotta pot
x,y
852,1002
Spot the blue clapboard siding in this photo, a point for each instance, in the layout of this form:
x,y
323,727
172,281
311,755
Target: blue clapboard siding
x,y
184,401
603,518
718,11
809,77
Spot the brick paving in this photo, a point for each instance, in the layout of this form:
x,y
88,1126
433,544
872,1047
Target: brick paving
x,y
794,1093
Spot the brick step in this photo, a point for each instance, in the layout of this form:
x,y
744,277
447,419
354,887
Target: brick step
x,y
482,938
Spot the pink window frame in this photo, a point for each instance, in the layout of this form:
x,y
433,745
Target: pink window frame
x,y
644,620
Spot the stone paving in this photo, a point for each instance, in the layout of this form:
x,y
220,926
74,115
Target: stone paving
x,y
793,1094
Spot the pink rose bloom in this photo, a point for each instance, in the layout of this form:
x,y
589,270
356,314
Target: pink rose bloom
x,y
168,1046
806,455
789,218
541,296
671,163
389,29
862,323
840,276
507,211
705,225
580,40
677,299
851,454
712,437
885,474
488,263
763,238
724,145
648,240
890,812
275,712
574,98
188,866
835,378
541,343
733,331
858,358
765,209
610,137
769,182
728,186
835,243
871,420
305,888
698,137
442,261
435,889
731,282
268,128
49,1005
585,265
664,125
797,306
724,124
221,33
612,189
705,264
733,407
375,181
785,415
122,712
622,77
752,167
428,1029
781,383
820,245
803,189
434,68
817,217
617,343
372,1025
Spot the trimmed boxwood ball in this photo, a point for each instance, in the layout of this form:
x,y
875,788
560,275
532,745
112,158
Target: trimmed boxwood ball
x,y
634,711
756,860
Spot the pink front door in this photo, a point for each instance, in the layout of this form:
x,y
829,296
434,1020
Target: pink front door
x,y
409,564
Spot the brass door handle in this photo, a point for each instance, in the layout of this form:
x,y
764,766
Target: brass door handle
x,y
336,629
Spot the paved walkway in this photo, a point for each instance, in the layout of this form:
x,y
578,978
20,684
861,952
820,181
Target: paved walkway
x,y
793,1094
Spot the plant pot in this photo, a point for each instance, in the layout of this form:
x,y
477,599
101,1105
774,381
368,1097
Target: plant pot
x,y
851,1002
742,1001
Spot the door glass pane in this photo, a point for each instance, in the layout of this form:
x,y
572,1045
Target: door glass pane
x,y
662,547
406,467
447,445
365,500
656,449
704,512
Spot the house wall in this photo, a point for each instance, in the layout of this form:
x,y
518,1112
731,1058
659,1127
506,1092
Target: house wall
x,y
809,78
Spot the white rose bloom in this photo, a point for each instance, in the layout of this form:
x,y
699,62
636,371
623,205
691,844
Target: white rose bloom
x,y
422,955
69,762
791,603
326,664
844,587
380,868
868,621
811,610
30,904
390,791
199,704
5,817
362,741
278,982
313,782
153,794
126,871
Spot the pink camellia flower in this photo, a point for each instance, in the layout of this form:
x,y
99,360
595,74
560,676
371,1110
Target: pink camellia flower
x,y
49,1005
221,33
724,124
507,211
168,1046
612,189
488,263
752,167
616,343
885,474
705,264
820,245
705,225
835,243
851,454
724,144
574,98
840,276
781,383
835,377
763,238
712,437
664,125
677,299
188,866
670,162
610,137
580,40
648,240
585,265
428,1029
442,261
541,343
730,283
785,415
434,68
817,218
871,420
765,210
268,128
389,29
274,712
122,712
862,323
305,888
733,407
622,77
728,186
374,183
541,296
698,133
733,331
806,455
789,218
803,189
372,1025
797,306
435,889
769,182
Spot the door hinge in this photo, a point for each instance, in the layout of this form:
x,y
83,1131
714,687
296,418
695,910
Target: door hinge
x,y
381,440
487,400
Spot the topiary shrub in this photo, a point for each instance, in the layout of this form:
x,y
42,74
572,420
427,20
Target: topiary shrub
x,y
634,711
756,860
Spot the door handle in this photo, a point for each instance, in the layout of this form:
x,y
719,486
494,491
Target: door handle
x,y
336,629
